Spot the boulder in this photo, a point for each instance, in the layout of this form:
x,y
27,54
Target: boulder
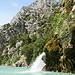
x,y
4,52
11,51
21,62
18,44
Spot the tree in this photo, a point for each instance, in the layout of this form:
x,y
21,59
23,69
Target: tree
x,y
28,52
33,39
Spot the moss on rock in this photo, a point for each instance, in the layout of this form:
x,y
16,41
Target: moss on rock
x,y
70,53
53,51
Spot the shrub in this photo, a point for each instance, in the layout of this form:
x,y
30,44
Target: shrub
x,y
5,60
33,38
28,52
16,59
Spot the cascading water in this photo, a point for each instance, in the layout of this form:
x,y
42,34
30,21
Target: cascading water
x,y
38,64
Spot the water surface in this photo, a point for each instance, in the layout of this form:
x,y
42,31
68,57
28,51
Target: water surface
x,y
7,70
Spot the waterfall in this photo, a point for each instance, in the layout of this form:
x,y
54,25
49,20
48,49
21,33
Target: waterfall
x,y
38,64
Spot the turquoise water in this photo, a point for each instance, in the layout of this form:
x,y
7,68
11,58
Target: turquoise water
x,y
6,70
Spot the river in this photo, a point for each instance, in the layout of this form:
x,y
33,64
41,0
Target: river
x,y
7,70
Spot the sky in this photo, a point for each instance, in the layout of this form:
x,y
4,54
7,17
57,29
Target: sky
x,y
9,8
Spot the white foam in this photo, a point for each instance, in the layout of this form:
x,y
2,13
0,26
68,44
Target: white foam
x,y
38,64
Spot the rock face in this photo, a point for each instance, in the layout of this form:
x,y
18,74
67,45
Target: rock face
x,y
23,39
69,5
21,62
4,52
39,4
18,16
24,23
18,44
58,61
53,52
32,7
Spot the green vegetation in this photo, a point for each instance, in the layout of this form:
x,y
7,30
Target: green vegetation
x,y
53,51
5,60
28,52
54,37
16,59
27,17
33,38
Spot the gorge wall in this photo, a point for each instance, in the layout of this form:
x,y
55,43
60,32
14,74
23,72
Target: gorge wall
x,y
41,26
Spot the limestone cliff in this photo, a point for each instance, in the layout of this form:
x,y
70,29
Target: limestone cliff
x,y
19,32
41,25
